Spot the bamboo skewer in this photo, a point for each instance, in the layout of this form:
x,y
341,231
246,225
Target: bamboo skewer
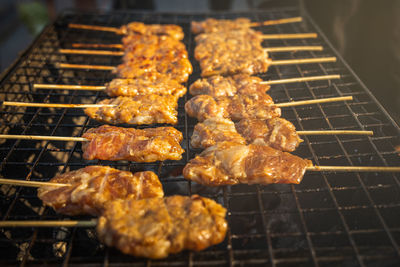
x,y
101,87
43,137
275,62
53,105
79,45
29,183
353,169
289,36
335,132
275,22
90,223
314,101
121,53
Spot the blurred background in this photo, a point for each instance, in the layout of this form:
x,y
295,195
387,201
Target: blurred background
x,y
365,32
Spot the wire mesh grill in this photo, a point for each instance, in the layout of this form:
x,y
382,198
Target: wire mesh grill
x,y
329,219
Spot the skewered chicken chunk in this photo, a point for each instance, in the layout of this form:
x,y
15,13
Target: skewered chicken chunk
x,y
220,25
141,109
277,133
229,53
147,145
228,86
171,30
235,107
147,84
215,130
154,228
90,188
229,163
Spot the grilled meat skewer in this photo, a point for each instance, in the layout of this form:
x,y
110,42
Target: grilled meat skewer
x,y
139,145
156,227
229,163
87,190
140,109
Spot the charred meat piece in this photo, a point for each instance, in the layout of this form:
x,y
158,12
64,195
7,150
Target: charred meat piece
x,y
140,145
154,228
229,53
90,188
215,130
141,109
147,84
220,25
171,30
229,163
235,107
277,133
228,86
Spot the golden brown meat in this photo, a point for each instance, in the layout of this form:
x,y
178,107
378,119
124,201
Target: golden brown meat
x,y
229,163
228,86
154,228
151,84
214,130
141,109
92,187
235,107
146,145
218,25
171,30
277,133
229,53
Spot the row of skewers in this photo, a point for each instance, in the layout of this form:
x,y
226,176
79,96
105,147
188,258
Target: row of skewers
x,y
227,159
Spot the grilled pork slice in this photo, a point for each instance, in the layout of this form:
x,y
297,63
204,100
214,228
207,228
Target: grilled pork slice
x,y
215,130
235,107
277,133
171,30
228,86
175,68
90,188
147,84
147,145
140,109
154,228
220,25
229,163
229,53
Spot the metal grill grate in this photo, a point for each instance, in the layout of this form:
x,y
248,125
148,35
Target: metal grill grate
x,y
329,219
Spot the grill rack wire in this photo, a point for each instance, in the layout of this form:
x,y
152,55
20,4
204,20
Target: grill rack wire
x,y
329,219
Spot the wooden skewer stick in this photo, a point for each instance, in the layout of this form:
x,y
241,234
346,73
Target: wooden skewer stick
x,y
69,87
95,28
302,79
275,22
289,36
79,45
313,101
42,137
90,223
303,61
335,132
121,53
101,88
29,183
275,62
91,52
53,105
353,169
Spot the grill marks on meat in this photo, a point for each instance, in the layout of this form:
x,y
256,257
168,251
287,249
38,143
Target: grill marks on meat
x,y
141,109
93,186
235,107
220,25
146,145
218,85
229,163
134,28
215,130
156,227
229,53
150,84
277,133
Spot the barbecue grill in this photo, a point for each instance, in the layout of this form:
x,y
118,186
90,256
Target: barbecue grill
x,y
335,219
